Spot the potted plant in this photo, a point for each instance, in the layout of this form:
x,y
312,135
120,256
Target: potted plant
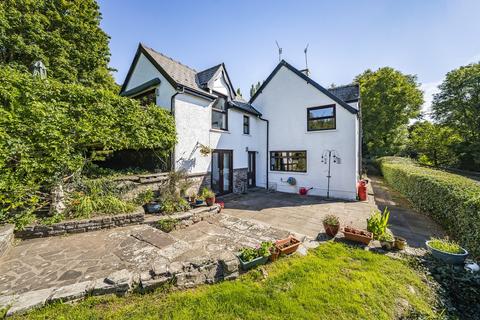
x,y
252,257
209,196
400,243
387,241
288,245
205,150
192,198
377,223
147,199
331,224
447,251
357,235
274,253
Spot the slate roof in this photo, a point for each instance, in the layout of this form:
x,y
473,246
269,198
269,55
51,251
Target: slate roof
x,y
204,76
348,93
241,104
179,72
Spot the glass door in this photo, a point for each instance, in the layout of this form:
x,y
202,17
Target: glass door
x,y
251,169
222,171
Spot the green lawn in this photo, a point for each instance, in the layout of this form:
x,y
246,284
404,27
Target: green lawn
x,y
333,282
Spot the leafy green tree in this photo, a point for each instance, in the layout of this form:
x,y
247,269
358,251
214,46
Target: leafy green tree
x,y
64,34
434,143
254,88
458,106
389,100
49,131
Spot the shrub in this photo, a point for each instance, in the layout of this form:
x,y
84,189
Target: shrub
x,y
49,132
167,225
453,201
97,196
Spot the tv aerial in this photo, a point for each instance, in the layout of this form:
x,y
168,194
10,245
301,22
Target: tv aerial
x,y
279,51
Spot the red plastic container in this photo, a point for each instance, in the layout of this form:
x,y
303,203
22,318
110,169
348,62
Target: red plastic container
x,y
362,190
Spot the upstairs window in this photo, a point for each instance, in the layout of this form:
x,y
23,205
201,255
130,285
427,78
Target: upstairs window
x,y
321,118
293,161
246,125
220,114
147,98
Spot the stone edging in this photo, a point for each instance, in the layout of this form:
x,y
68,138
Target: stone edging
x,y
106,222
6,238
182,275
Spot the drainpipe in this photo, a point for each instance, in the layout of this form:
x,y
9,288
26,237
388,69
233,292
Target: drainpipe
x,y
267,148
172,111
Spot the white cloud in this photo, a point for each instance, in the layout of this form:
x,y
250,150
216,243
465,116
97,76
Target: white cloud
x,y
429,89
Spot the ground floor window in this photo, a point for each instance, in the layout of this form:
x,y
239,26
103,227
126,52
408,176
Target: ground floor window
x,y
294,161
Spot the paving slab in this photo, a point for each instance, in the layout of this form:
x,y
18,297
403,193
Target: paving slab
x,y
295,213
65,266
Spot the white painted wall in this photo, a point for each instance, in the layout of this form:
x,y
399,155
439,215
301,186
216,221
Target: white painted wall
x,y
284,101
220,85
145,71
193,119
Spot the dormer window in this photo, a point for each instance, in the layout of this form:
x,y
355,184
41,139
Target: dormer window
x,y
220,114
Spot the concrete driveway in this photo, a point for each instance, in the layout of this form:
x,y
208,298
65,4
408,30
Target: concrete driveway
x,y
295,213
304,214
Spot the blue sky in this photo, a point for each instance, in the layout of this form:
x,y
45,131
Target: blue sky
x,y
424,37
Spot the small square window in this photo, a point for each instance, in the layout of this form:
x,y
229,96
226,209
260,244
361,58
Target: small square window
x,y
246,125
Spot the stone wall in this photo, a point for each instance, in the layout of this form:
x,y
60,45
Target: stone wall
x,y
79,226
6,237
185,219
240,180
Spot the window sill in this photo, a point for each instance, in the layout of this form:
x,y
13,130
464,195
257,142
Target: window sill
x,y
320,131
246,134
288,172
219,131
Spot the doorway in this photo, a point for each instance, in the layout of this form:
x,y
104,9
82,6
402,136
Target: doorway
x,y
252,168
222,171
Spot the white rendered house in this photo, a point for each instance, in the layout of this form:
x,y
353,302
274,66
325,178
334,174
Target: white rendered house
x,y
281,133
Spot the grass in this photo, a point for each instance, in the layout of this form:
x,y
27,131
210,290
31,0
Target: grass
x,y
333,281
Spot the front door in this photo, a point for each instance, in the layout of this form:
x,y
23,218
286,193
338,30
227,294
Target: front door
x,y
251,169
222,171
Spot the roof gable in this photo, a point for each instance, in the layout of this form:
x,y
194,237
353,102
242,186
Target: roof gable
x,y
176,73
283,63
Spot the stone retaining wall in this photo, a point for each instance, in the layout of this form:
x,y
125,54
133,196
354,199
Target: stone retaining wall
x,y
79,226
6,237
181,275
105,222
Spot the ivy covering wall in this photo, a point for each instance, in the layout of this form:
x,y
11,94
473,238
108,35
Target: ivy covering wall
x,y
49,132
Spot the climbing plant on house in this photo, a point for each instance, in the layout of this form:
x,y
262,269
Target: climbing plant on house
x,y
49,131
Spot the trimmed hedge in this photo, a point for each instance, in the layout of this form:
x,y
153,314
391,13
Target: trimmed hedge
x,y
452,200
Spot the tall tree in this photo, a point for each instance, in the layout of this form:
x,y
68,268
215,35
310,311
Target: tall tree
x,y
458,106
434,144
64,34
389,100
254,88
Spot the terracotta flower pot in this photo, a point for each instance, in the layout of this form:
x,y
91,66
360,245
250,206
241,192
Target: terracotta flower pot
x,y
331,230
274,254
400,243
210,201
357,235
288,245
